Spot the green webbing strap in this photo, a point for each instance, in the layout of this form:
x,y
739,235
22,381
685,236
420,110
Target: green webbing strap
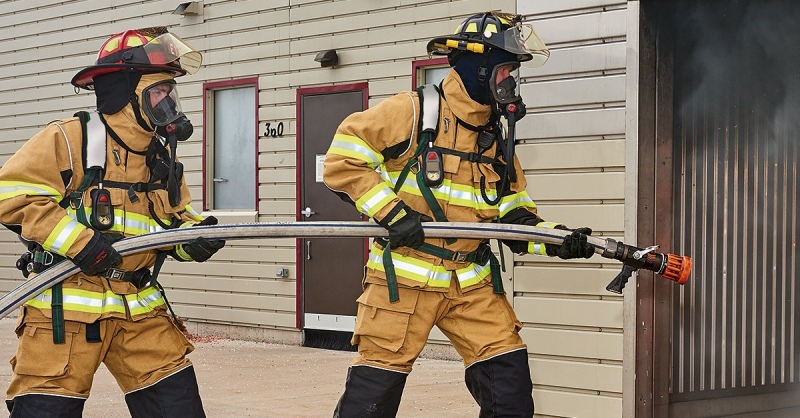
x,y
497,279
391,276
444,253
57,310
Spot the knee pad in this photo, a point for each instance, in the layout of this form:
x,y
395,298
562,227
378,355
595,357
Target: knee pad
x,y
371,392
174,396
45,406
502,385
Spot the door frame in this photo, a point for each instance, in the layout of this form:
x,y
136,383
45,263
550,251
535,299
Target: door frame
x,y
304,91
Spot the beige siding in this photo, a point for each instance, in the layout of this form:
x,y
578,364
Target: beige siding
x,y
573,143
572,147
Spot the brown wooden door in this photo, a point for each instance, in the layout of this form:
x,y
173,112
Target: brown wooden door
x,y
331,268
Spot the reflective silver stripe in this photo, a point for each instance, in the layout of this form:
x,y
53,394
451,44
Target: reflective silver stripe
x,y
516,200
354,147
63,235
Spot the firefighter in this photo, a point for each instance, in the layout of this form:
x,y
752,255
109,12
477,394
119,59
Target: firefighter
x,y
71,191
397,171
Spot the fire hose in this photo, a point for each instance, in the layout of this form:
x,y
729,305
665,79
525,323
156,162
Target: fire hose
x,y
670,266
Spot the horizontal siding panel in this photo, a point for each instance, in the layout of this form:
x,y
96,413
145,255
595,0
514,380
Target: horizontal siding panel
x,y
589,313
573,154
572,124
278,191
236,316
564,279
279,175
569,343
239,270
273,207
581,59
550,6
601,186
589,376
574,92
233,284
282,160
21,25
237,300
571,404
601,218
582,27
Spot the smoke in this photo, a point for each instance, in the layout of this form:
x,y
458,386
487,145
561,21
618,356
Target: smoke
x,y
752,47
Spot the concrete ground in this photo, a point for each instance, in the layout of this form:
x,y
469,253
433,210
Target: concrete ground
x,y
248,379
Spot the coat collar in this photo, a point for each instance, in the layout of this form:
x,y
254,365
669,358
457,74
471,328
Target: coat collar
x,y
462,106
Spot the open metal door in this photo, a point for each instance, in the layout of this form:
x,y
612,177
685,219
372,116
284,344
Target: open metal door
x,y
331,269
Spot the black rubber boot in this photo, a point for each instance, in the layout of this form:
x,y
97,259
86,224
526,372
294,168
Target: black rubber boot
x,y
176,396
371,392
45,406
502,385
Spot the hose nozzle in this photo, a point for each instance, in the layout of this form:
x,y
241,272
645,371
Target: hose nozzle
x,y
677,268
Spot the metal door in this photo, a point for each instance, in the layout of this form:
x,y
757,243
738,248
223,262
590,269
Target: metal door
x,y
331,268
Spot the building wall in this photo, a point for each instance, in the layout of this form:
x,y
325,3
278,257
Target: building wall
x,y
573,151
572,144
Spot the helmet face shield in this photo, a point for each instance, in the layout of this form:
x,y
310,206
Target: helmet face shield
x,y
168,48
523,41
504,83
161,103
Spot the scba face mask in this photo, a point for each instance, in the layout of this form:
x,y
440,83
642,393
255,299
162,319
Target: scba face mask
x,y
162,106
504,84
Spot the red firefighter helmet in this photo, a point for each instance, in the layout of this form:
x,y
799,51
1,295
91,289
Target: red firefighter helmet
x,y
147,50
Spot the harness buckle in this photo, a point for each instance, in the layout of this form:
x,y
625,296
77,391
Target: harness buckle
x,y
115,274
460,257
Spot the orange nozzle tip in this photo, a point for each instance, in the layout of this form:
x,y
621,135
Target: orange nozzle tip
x,y
678,268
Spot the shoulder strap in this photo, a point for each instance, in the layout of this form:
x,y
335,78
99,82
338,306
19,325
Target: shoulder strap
x,y
429,112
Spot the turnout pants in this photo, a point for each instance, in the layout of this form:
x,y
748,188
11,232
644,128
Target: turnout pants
x,y
146,357
390,336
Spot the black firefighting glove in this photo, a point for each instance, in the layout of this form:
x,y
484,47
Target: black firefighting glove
x,y
97,256
404,226
200,249
575,245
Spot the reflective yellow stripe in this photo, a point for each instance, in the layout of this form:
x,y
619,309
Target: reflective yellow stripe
x,y
550,225
63,235
84,301
9,189
514,201
537,248
463,195
128,223
192,213
355,147
179,251
424,272
145,301
375,199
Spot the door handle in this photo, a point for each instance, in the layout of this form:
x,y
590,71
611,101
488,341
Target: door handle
x,y
308,249
219,180
307,212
